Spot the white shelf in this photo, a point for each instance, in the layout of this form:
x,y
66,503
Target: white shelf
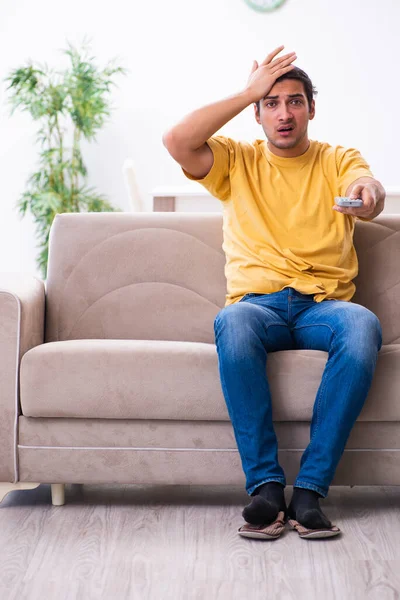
x,y
179,190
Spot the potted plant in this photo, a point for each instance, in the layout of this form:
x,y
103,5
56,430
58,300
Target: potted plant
x,y
73,102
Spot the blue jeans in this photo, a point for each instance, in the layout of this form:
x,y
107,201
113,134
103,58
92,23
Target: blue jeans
x,y
287,320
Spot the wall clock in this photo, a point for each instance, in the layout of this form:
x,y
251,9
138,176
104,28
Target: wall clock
x,y
264,5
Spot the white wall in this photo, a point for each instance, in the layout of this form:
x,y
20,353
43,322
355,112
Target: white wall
x,y
183,54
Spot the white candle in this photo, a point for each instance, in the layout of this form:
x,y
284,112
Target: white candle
x,y
131,186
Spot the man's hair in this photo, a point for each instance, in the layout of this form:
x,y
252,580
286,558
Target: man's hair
x,y
300,75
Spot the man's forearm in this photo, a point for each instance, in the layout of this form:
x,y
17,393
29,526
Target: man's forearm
x,y
197,127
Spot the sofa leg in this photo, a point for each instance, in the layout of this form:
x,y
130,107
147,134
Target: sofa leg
x,y
58,494
6,488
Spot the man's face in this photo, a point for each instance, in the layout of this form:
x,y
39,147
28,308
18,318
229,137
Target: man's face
x,y
285,106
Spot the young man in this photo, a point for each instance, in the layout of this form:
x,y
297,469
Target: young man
x,y
290,261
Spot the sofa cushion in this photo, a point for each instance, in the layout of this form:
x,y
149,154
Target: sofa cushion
x,y
138,276
160,275
151,379
183,435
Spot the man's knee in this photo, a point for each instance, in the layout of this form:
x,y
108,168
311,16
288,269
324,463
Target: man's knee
x,y
363,326
369,322
219,317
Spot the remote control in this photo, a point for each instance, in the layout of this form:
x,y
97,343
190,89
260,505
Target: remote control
x,y
344,201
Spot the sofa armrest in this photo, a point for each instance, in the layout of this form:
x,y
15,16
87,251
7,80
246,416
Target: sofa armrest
x,y
22,317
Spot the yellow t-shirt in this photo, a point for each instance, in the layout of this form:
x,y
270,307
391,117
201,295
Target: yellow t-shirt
x,y
279,227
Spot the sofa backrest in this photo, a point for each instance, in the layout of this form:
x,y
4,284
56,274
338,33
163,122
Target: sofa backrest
x,y
161,275
156,276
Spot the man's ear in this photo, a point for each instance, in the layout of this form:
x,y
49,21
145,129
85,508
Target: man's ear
x,y
312,111
257,114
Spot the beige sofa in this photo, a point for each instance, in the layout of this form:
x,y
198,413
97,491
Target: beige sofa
x,y
109,371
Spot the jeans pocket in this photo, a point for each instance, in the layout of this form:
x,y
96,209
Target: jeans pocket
x,y
249,296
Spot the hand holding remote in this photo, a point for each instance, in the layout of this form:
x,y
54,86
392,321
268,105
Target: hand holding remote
x,y
361,201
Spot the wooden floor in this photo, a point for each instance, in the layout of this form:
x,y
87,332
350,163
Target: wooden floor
x,y
181,543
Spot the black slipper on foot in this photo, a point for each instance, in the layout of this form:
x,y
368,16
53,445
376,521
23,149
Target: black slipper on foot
x,y
313,534
261,510
269,531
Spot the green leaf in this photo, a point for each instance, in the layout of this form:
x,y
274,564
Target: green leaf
x,y
75,100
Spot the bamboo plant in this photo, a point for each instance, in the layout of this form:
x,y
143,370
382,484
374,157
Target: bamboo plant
x,y
75,104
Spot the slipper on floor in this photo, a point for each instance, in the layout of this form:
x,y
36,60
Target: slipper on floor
x,y
304,532
266,532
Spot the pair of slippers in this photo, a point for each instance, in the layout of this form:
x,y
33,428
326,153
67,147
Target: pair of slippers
x,y
274,530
